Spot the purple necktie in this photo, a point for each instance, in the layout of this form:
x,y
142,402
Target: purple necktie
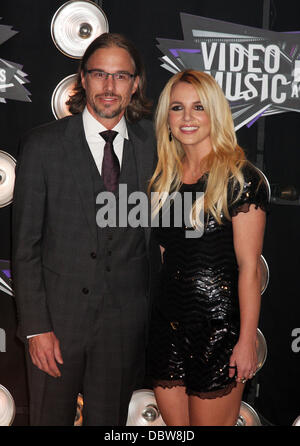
x,y
110,163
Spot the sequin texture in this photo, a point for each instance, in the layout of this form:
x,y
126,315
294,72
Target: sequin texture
x,y
195,321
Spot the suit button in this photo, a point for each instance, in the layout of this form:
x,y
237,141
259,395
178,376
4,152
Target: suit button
x,y
109,253
93,255
108,269
85,291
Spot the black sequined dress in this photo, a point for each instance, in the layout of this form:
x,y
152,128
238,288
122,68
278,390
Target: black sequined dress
x,y
195,321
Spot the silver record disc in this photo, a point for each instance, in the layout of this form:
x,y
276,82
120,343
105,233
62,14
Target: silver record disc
x,y
261,349
60,96
75,25
297,421
7,178
264,274
143,410
7,407
248,416
266,182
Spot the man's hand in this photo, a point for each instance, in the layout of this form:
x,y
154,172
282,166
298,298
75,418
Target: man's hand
x,y
45,351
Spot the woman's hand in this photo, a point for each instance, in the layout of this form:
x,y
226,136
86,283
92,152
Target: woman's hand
x,y
244,359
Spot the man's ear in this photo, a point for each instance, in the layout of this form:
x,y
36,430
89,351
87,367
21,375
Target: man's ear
x,y
135,85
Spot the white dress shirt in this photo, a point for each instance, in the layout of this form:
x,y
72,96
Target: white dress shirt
x,y
96,143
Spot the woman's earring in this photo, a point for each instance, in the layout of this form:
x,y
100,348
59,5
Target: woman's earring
x,y
170,135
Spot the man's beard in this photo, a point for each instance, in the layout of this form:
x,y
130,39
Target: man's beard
x,y
107,114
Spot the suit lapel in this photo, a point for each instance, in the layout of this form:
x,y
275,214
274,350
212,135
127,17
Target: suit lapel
x,y
144,154
76,147
145,158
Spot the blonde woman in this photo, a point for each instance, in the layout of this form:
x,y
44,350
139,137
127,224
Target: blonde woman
x,y
203,337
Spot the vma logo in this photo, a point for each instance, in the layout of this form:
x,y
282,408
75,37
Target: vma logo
x,y
258,69
12,78
5,287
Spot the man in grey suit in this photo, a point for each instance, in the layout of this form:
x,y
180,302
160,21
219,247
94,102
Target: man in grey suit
x,y
82,290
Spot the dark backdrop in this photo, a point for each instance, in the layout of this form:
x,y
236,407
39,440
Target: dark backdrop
x,y
276,386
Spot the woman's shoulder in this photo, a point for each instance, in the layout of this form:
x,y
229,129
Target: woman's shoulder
x,y
255,190
251,172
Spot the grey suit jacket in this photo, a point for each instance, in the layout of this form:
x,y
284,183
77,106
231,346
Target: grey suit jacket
x,y
54,227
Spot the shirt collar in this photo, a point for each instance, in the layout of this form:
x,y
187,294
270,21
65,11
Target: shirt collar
x,y
92,126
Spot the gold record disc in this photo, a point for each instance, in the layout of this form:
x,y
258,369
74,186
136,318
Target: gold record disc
x,y
60,96
75,25
78,417
7,178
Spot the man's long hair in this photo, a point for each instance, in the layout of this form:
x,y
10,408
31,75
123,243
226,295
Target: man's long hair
x,y
139,105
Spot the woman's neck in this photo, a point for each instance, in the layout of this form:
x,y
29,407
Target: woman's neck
x,y
194,165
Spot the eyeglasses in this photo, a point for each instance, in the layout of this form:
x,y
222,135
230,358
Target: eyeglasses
x,y
98,75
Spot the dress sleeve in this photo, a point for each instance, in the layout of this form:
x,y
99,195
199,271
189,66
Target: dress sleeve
x,y
255,191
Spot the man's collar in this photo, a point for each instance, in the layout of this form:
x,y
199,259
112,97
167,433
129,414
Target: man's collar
x,y
92,126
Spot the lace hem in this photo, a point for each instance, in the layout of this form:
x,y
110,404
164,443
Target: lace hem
x,y
246,206
168,384
203,395
214,393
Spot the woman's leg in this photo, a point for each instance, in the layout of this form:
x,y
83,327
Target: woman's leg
x,y
221,411
179,409
173,405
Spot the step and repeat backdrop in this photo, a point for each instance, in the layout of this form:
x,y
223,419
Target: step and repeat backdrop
x,y
254,54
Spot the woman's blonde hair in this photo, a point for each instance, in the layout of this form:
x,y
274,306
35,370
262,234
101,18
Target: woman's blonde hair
x,y
223,163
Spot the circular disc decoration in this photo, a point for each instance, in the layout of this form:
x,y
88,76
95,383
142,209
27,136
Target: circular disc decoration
x,y
297,421
266,182
75,25
60,96
248,416
264,274
143,410
261,349
78,417
7,178
7,407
